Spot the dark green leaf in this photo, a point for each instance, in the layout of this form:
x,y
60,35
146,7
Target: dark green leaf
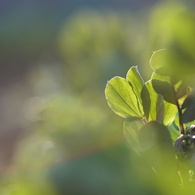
x,y
156,145
165,89
189,114
154,133
181,89
146,102
160,109
189,101
189,105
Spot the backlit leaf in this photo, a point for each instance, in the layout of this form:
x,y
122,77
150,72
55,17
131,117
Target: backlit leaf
x,y
121,98
158,59
136,81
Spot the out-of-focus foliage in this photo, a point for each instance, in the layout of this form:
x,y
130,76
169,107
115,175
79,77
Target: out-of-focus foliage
x,y
75,143
94,45
173,28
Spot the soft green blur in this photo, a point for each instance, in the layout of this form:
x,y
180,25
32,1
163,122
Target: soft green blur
x,y
73,143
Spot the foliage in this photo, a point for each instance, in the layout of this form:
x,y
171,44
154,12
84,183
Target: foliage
x,y
151,108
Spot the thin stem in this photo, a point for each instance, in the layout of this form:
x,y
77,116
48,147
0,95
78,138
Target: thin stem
x,y
144,120
181,127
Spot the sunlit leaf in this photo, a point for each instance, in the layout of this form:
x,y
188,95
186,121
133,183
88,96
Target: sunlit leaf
x,y
165,89
121,98
155,107
158,58
157,76
136,81
170,113
150,99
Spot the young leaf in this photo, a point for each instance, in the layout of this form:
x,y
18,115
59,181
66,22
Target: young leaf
x,y
155,107
165,89
152,103
157,60
121,98
156,76
146,101
136,81
170,113
131,129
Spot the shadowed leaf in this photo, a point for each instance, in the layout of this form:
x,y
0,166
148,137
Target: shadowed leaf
x,y
165,89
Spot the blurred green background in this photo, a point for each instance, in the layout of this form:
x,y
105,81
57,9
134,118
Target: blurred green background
x,y
57,133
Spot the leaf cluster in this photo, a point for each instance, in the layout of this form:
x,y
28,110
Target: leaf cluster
x,y
163,100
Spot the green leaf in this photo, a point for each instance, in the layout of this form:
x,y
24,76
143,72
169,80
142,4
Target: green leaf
x,y
150,99
189,101
158,59
146,101
153,134
156,76
156,145
170,113
174,131
181,89
131,129
121,98
189,114
136,81
165,89
189,105
155,107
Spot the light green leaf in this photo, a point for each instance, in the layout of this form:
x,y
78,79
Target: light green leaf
x,y
155,111
170,113
158,59
136,81
131,129
157,108
160,77
121,98
165,89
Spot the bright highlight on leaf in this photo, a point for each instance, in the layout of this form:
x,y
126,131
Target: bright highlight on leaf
x,y
121,98
158,59
155,103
